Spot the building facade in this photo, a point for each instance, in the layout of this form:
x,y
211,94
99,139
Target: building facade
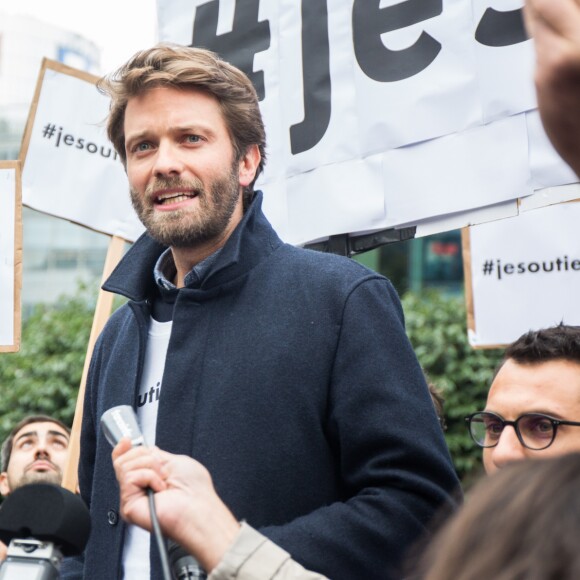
x,y
58,256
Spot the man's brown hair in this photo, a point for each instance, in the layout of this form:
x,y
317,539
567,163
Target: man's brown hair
x,y
560,342
521,522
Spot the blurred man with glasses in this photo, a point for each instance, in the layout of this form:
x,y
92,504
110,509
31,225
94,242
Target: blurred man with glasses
x,y
533,405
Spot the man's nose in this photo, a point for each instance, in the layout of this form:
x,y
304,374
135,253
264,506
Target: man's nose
x,y
41,448
509,448
167,160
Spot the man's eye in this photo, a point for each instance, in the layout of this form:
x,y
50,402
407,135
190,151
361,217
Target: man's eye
x,y
60,444
142,147
25,444
538,427
493,428
193,138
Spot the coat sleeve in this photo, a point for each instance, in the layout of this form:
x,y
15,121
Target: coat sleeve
x,y
394,467
252,556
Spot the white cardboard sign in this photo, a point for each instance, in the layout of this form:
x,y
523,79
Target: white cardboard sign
x,y
70,168
522,273
10,255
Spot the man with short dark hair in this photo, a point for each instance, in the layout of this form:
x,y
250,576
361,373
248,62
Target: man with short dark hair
x,y
533,405
35,451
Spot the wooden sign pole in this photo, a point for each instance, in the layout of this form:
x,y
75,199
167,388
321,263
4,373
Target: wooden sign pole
x,y
102,312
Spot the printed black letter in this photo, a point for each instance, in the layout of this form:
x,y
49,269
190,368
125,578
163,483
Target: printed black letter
x,y
501,28
316,77
248,37
378,62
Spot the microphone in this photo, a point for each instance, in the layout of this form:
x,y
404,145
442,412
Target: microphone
x,y
119,422
183,564
41,523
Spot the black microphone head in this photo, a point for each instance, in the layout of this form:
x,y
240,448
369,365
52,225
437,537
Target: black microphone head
x,y
183,565
46,512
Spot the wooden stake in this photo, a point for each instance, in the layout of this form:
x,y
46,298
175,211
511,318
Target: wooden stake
x,y
102,312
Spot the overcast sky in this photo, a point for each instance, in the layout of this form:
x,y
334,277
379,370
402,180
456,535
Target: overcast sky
x,y
118,27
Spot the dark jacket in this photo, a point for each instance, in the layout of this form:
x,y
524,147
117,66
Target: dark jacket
x,y
290,377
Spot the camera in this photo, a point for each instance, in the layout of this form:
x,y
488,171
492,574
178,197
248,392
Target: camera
x,y
41,523
31,559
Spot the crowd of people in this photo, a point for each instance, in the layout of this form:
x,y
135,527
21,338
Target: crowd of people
x,y
280,444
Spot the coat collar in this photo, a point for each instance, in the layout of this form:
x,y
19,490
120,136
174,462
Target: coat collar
x,y
251,241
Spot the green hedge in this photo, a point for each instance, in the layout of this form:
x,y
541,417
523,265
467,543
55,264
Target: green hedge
x,y
44,376
437,328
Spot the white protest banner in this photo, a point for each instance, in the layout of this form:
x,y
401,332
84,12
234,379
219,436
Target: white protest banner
x,y
547,168
382,114
70,169
522,273
10,255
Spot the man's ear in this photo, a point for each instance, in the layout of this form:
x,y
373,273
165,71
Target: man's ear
x,y
4,487
249,165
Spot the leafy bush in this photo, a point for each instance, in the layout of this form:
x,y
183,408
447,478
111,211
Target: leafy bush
x,y
45,375
437,328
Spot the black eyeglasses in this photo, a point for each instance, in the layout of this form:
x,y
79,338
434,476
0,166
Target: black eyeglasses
x,y
534,430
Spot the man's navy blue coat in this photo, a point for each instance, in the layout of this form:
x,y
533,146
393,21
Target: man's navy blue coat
x,y
290,377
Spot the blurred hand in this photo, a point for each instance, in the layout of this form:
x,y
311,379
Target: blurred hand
x,y
188,508
555,28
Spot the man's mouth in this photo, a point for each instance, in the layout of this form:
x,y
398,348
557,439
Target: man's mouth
x,y
172,197
41,465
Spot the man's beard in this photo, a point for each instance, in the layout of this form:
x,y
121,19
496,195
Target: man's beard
x,y
54,477
186,228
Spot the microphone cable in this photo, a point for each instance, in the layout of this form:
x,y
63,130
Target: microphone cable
x,y
159,537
